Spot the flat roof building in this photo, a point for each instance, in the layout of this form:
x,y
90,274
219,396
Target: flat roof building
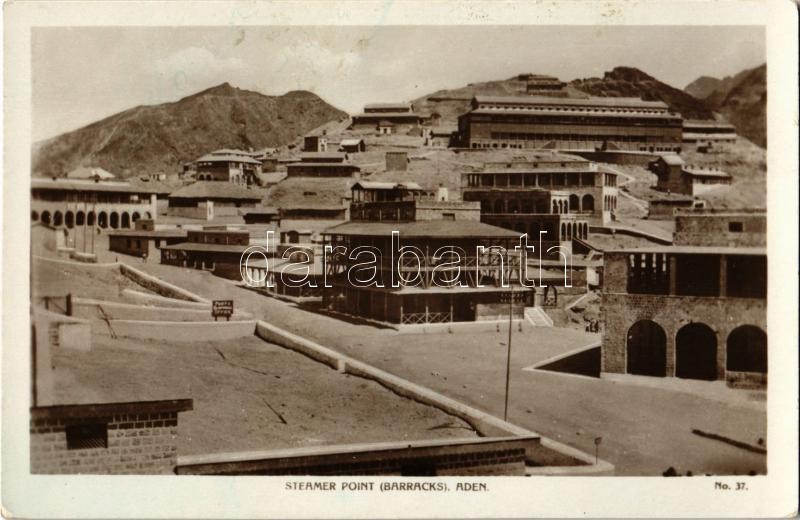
x,y
591,124
205,200
694,310
228,165
675,176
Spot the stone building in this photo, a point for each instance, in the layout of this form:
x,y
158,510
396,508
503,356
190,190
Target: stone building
x,y
322,164
382,116
694,310
83,208
216,250
675,176
591,124
143,241
549,192
226,165
389,220
205,200
702,131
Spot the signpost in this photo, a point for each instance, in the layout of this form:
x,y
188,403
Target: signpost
x,y
222,309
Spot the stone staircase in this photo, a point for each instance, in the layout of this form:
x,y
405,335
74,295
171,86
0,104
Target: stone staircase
x,y
537,317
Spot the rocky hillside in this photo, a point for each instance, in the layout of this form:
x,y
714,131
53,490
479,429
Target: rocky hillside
x,y
159,138
631,82
742,99
702,87
620,82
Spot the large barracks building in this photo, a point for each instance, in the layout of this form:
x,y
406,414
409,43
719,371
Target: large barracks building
x,y
628,124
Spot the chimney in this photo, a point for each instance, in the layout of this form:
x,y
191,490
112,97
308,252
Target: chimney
x,y
396,161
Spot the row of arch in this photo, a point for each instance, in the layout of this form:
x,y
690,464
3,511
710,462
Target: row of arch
x,y
568,230
574,204
70,219
610,202
695,350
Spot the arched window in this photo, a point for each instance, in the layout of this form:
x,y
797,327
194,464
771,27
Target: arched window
x,y
696,352
90,218
747,350
135,216
555,207
80,218
46,217
126,220
102,220
58,219
69,220
574,204
114,220
646,349
587,204
34,216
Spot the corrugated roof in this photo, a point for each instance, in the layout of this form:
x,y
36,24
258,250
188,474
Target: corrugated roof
x,y
309,193
376,185
210,248
622,102
387,105
323,155
705,172
211,190
88,186
673,159
90,172
214,157
351,142
158,233
694,250
560,113
424,228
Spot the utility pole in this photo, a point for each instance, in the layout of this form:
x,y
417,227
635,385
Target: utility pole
x,y
508,354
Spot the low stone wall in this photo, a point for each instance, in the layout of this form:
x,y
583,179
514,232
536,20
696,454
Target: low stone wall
x,y
486,424
87,308
154,299
158,285
459,457
182,331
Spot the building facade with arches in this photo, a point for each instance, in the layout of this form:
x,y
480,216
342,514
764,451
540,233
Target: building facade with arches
x,y
85,208
688,311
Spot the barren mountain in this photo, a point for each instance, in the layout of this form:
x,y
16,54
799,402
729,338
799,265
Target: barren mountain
x,y
631,82
620,82
159,138
742,99
702,87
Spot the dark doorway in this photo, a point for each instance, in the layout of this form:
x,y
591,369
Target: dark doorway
x,y
747,350
696,352
647,349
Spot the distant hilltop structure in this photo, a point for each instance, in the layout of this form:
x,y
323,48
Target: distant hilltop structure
x,y
387,118
541,83
592,124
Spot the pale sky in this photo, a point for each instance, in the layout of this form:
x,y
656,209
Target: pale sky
x,y
83,74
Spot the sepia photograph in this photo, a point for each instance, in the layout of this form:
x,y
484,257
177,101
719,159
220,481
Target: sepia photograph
x,y
379,259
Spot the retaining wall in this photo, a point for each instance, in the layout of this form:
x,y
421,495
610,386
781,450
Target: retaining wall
x,y
182,331
158,285
486,424
154,299
87,308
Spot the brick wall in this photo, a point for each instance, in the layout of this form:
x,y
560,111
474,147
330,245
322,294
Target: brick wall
x,y
419,458
621,310
709,229
126,438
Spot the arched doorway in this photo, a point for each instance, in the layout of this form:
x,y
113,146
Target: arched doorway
x,y
58,219
90,218
126,220
102,220
69,220
587,204
114,220
696,352
647,349
747,350
80,218
574,203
